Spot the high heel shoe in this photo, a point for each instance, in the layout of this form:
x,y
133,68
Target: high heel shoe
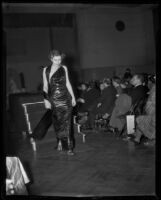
x,y
59,147
70,153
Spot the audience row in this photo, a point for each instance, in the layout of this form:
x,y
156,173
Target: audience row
x,y
112,99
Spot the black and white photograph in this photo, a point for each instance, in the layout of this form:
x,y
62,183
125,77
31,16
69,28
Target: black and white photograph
x,y
79,110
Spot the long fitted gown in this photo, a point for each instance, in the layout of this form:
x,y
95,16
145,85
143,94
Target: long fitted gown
x,y
61,102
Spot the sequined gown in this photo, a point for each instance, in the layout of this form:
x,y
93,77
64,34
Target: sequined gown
x,y
61,102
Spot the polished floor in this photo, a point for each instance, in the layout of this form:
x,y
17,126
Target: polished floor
x,y
102,166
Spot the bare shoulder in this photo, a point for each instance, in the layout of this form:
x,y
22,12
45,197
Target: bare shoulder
x,y
44,69
64,67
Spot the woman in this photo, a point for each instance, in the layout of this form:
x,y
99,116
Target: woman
x,y
118,118
116,83
145,124
59,96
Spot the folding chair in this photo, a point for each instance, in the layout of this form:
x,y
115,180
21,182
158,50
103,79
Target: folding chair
x,y
135,110
78,128
31,123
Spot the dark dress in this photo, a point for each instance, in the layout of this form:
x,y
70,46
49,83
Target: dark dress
x,y
61,102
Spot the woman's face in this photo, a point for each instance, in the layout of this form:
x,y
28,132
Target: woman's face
x,y
56,60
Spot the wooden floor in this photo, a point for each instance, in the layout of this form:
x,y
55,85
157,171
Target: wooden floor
x,y
103,166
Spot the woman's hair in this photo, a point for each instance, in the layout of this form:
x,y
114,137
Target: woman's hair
x,y
56,53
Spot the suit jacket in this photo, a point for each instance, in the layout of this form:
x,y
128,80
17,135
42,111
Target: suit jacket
x,y
90,97
107,100
138,93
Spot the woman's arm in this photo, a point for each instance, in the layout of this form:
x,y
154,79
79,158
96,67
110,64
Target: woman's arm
x,y
69,87
45,84
45,90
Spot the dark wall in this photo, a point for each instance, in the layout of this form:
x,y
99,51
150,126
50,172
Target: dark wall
x,y
94,47
30,37
101,44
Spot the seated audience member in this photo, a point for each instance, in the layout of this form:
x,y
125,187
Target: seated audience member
x,y
89,96
104,104
79,89
83,88
145,124
101,87
129,86
138,92
116,83
125,86
122,106
127,76
145,75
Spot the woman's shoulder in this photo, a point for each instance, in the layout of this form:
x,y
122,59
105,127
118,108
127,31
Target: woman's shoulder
x,y
64,67
46,67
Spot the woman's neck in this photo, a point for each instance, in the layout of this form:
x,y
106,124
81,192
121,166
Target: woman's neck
x,y
55,67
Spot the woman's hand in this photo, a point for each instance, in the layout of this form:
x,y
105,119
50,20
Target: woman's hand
x,y
73,102
47,104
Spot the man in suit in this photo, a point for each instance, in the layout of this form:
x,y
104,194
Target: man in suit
x,y
90,95
138,91
104,104
124,102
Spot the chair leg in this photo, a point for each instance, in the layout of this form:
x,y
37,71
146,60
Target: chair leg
x,y
79,132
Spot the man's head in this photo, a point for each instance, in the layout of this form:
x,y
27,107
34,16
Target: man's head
x,y
102,86
137,79
83,86
128,70
107,82
123,84
116,81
